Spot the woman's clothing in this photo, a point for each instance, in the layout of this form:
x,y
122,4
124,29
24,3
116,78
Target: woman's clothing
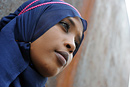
x,y
25,25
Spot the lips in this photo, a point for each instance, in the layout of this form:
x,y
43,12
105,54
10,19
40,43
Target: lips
x,y
62,57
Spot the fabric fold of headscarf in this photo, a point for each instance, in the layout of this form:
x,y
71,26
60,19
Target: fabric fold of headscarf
x,y
18,30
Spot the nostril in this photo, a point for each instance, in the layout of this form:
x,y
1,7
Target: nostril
x,y
68,46
71,51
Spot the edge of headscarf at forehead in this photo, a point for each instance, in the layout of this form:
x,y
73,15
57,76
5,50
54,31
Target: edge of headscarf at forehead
x,y
47,3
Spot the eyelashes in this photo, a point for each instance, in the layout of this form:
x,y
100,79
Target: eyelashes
x,y
77,44
65,25
66,28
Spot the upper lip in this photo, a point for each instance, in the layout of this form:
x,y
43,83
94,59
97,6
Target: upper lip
x,y
64,54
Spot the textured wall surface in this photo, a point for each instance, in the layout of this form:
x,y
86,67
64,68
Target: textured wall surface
x,y
105,60
76,3
9,6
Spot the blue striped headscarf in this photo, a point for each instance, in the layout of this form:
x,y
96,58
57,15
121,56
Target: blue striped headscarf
x,y
17,30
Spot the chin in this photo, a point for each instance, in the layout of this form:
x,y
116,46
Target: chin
x,y
49,72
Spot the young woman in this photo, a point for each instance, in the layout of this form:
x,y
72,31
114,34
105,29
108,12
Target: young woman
x,y
37,41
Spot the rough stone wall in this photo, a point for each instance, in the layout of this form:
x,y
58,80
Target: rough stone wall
x,y
105,57
76,3
9,6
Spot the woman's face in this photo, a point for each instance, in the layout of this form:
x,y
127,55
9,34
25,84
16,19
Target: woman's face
x,y
53,51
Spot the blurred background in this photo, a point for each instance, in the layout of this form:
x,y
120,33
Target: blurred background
x,y
104,57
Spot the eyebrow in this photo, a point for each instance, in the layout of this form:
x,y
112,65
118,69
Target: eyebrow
x,y
79,38
71,21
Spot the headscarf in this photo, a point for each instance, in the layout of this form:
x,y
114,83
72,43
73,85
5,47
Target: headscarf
x,y
25,25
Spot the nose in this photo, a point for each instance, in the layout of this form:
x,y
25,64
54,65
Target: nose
x,y
70,45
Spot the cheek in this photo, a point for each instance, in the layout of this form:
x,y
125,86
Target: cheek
x,y
45,64
44,59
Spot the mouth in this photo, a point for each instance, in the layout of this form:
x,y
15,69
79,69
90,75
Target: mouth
x,y
62,57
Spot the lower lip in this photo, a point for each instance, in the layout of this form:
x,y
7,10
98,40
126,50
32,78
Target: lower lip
x,y
61,59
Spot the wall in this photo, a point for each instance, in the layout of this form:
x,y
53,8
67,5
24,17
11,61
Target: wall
x,y
105,56
9,6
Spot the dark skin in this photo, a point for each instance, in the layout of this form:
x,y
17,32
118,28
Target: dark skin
x,y
47,50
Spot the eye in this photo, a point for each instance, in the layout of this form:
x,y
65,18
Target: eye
x,y
76,44
65,25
